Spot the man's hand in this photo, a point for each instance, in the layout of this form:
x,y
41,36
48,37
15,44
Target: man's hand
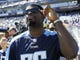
x,y
50,13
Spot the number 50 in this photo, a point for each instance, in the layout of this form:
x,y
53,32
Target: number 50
x,y
34,56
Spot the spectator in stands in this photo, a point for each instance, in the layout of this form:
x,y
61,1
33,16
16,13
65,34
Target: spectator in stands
x,y
21,27
4,45
40,44
12,32
6,34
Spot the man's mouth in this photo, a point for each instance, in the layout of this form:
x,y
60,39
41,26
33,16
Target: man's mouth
x,y
32,23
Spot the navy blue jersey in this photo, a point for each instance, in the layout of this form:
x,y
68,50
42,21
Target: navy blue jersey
x,y
44,47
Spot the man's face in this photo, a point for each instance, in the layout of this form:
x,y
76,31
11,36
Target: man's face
x,y
3,42
34,17
12,32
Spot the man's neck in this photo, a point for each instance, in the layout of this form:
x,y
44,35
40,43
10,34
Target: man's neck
x,y
36,32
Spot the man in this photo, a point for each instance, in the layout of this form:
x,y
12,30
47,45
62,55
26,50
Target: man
x,y
40,44
12,32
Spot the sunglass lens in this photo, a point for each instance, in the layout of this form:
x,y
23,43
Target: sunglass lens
x,y
34,10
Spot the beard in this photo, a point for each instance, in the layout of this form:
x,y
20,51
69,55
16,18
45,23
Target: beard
x,y
33,24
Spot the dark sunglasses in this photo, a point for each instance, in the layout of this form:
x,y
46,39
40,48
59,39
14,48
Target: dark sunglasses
x,y
34,10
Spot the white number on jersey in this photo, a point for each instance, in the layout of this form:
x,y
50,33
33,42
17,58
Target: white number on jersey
x,y
34,56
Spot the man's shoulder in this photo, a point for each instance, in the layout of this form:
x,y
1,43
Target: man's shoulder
x,y
22,35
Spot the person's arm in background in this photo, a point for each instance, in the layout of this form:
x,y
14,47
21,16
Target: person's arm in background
x,y
68,45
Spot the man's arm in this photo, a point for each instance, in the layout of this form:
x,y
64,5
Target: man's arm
x,y
68,45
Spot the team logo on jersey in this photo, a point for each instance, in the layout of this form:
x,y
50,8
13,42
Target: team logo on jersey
x,y
34,40
33,44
